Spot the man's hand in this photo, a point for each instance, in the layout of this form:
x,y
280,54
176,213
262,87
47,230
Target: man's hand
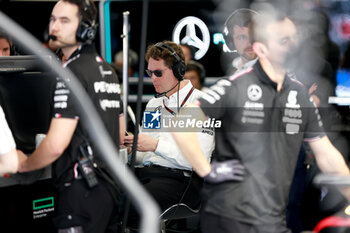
x,y
22,158
144,143
230,170
313,88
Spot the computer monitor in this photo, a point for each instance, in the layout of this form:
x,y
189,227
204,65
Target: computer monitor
x,y
342,89
15,64
343,83
25,96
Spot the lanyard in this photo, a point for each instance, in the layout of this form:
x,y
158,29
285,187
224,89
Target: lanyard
x,y
182,104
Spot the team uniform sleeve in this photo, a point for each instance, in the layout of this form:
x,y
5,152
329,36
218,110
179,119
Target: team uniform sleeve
x,y
314,126
64,106
7,143
215,102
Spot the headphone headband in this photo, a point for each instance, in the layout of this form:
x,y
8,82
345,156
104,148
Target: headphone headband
x,y
178,66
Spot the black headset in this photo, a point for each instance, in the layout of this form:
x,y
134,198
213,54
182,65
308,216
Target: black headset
x,y
179,66
13,50
87,28
228,32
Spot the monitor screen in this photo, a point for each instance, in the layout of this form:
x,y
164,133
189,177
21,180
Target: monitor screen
x,y
343,83
15,64
25,96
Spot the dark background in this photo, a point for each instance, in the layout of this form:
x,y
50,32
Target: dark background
x,y
162,18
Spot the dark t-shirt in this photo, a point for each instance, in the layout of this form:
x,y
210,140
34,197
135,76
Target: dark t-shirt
x,y
101,84
263,128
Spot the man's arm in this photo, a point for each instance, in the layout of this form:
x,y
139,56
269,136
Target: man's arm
x,y
189,146
121,129
51,148
328,158
9,162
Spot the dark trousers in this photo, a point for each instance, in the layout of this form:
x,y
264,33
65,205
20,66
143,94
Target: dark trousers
x,y
93,209
167,187
218,224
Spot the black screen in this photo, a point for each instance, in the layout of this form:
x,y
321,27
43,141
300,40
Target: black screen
x,y
25,98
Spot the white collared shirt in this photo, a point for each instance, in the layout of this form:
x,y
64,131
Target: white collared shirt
x,y
167,153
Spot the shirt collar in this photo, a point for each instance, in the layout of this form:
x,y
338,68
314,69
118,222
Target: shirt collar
x,y
183,92
263,77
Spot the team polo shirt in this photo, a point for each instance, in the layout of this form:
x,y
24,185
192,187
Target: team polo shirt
x,y
101,84
264,128
167,153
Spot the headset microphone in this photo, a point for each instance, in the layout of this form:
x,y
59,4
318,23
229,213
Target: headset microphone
x,y
158,95
52,37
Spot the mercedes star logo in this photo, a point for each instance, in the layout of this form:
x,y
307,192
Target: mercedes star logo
x,y
254,92
191,37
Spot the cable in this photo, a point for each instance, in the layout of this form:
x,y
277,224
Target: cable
x,y
178,98
182,197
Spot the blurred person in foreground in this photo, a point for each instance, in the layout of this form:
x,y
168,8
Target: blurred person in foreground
x,y
265,115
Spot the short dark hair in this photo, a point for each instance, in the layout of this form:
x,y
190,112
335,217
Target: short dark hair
x,y
190,48
266,16
240,17
4,36
154,52
198,68
87,10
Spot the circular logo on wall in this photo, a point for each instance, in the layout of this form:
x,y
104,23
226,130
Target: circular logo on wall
x,y
200,41
254,92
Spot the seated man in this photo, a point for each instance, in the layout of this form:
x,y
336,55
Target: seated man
x,y
166,174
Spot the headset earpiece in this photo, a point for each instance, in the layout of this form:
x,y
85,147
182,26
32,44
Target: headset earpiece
x,y
86,32
87,29
228,38
13,50
179,66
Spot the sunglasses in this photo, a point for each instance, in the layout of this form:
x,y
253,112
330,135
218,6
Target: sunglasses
x,y
157,73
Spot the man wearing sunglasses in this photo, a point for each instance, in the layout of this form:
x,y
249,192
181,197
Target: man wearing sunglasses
x,y
166,174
